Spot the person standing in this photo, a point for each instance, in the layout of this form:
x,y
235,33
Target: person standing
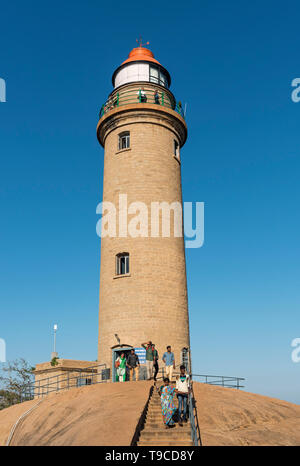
x,y
182,390
133,363
121,368
156,97
149,358
155,361
142,95
169,360
168,407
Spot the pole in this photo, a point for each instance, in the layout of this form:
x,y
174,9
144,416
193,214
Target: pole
x,y
54,341
55,330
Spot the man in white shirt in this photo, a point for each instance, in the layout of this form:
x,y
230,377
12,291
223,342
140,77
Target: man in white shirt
x,y
142,95
182,389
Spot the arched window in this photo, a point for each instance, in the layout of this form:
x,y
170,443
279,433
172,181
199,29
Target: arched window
x,y
122,263
176,149
124,140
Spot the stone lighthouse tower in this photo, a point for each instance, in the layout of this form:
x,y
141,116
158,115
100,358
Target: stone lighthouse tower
x,y
143,291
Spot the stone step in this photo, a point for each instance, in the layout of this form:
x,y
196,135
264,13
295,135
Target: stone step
x,y
165,443
165,434
151,425
154,414
158,423
156,408
158,400
157,418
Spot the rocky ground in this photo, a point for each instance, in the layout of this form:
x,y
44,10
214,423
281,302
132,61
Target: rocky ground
x,y
107,414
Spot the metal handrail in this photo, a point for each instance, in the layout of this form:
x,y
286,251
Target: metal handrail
x,y
218,380
222,380
127,97
195,428
91,368
54,383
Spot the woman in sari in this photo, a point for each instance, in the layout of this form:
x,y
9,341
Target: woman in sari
x,y
167,404
121,368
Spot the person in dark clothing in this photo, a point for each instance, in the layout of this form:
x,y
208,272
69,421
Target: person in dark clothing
x,y
132,363
156,97
155,361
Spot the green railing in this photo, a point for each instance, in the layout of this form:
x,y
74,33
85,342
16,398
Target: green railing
x,y
140,96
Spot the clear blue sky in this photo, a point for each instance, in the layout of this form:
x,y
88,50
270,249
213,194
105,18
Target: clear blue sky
x,y
233,63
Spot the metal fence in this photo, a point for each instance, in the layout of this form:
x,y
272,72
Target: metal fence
x,y
220,380
134,96
101,374
73,379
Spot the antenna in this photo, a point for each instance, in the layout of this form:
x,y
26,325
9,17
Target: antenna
x,y
140,42
185,106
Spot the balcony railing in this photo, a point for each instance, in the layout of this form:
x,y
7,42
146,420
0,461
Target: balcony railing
x,y
134,96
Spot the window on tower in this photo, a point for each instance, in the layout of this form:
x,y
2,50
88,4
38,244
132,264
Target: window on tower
x,y
157,76
122,263
124,140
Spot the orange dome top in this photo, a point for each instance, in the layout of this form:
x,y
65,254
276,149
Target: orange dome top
x,y
140,54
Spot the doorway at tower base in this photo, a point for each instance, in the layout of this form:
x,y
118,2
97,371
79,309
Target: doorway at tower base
x,y
117,350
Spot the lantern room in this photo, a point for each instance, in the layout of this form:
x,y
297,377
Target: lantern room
x,y
141,66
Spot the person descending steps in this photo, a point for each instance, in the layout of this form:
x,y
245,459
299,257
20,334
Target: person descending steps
x,y
155,432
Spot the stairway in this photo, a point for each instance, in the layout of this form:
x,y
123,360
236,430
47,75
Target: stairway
x,y
155,433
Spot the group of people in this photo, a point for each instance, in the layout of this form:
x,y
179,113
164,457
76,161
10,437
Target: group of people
x,y
113,102
152,360
167,391
142,96
131,363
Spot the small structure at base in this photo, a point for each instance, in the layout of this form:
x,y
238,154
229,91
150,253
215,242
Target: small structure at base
x,y
63,374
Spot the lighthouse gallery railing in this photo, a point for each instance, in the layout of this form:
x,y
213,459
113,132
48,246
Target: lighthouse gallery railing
x,y
127,97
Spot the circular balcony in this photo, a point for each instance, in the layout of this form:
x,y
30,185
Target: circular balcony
x,y
141,93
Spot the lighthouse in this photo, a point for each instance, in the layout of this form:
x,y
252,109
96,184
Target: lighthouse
x,y
143,289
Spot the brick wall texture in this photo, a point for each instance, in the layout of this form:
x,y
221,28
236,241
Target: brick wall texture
x,y
151,302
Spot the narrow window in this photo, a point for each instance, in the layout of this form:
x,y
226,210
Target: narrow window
x,y
124,140
185,357
176,149
122,263
154,75
157,76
